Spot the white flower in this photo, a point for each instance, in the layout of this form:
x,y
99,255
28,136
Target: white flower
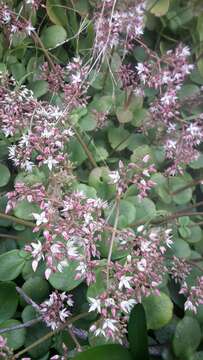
x,y
29,29
189,306
37,248
63,314
140,68
114,177
50,162
110,324
95,304
145,246
127,305
109,302
47,273
141,265
71,249
82,268
40,218
169,242
193,129
124,282
27,165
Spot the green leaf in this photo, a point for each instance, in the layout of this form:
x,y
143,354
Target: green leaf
x,y
36,288
24,210
56,12
159,7
15,338
188,91
137,333
127,214
53,36
105,352
181,248
77,154
8,300
158,309
175,184
88,122
187,337
4,175
11,265
99,179
39,88
35,333
65,280
124,115
140,116
18,71
118,138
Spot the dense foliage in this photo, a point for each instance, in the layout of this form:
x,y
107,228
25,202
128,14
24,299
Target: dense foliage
x,y
101,177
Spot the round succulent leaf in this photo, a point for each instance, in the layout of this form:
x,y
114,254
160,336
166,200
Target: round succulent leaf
x,y
56,12
187,337
107,352
88,122
184,231
124,115
39,88
35,333
24,210
158,7
8,300
181,248
53,36
11,265
187,91
5,175
140,115
118,138
15,338
99,179
145,209
36,288
28,313
77,154
175,184
65,280
127,214
159,310
198,163
195,234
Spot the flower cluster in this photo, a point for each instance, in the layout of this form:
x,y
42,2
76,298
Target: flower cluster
x,y
55,311
138,173
13,23
5,352
194,295
117,26
70,233
138,277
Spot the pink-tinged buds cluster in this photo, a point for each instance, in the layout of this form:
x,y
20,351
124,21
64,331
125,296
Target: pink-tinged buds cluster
x,y
70,234
140,275
5,351
14,23
138,173
56,310
117,26
194,294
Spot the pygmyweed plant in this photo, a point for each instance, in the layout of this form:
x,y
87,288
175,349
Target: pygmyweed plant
x,y
97,126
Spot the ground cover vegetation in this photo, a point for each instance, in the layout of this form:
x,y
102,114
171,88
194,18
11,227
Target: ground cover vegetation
x,y
101,179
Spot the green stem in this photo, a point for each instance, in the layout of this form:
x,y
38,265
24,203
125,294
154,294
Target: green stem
x,y
16,220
